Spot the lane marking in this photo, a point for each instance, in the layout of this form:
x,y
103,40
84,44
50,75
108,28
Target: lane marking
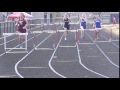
x,y
113,52
68,46
7,76
55,57
93,56
111,42
16,65
44,49
64,61
85,66
33,67
19,44
115,40
52,59
86,43
103,52
8,41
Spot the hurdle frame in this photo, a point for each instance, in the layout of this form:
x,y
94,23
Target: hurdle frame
x,y
94,37
44,31
111,35
74,30
5,47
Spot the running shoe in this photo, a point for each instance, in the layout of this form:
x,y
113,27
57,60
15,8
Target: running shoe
x,y
65,38
21,46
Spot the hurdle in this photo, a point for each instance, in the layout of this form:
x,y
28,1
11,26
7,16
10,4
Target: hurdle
x,y
111,35
95,37
44,31
10,34
74,31
41,26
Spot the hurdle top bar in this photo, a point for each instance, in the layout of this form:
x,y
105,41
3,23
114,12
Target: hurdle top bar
x,y
15,33
39,24
67,30
90,29
44,31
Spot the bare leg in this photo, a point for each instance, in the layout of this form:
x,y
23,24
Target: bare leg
x,y
65,33
97,34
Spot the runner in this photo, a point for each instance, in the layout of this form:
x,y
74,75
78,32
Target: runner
x,y
93,24
66,20
21,28
97,25
83,24
114,21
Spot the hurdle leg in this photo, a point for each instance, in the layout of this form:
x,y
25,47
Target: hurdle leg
x,y
53,40
78,35
26,42
58,36
110,34
95,34
83,33
34,41
5,43
98,34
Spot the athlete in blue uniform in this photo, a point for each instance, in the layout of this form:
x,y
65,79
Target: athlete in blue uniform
x,y
97,25
83,25
66,20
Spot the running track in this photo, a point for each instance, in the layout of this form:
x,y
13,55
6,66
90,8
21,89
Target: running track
x,y
86,60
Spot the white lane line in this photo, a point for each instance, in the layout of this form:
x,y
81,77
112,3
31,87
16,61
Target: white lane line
x,y
18,45
7,76
85,66
33,67
111,42
93,56
64,61
86,43
103,52
67,46
115,40
26,56
53,57
44,49
113,52
9,41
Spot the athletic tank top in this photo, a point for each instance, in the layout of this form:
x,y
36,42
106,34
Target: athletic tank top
x,y
83,22
66,21
98,23
21,24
